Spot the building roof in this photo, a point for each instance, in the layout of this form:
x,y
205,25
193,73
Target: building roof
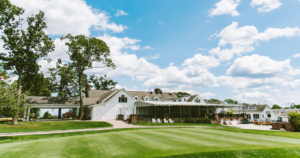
x,y
252,107
52,100
151,95
191,98
98,93
219,102
286,112
158,103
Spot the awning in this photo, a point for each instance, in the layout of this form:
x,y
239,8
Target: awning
x,y
158,103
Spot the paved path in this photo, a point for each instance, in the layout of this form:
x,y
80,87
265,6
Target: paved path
x,y
252,126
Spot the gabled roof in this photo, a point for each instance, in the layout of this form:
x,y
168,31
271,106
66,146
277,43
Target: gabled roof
x,y
98,93
163,96
219,102
287,111
258,107
52,100
191,98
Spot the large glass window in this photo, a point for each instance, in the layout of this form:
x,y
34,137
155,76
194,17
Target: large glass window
x,y
255,116
122,99
197,100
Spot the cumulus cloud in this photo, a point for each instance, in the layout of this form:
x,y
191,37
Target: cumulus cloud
x,y
160,22
266,5
257,66
207,95
225,7
156,56
121,13
240,84
69,16
276,90
242,39
292,84
296,55
205,61
253,97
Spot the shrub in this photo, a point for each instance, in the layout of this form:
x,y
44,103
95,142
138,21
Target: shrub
x,y
294,119
69,114
189,120
47,115
203,121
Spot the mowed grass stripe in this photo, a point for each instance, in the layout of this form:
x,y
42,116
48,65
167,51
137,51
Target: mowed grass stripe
x,y
185,140
215,138
248,136
234,139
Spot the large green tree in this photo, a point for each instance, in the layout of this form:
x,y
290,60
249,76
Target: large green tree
x,y
83,51
8,13
11,104
275,106
62,79
36,85
211,100
25,46
102,82
295,106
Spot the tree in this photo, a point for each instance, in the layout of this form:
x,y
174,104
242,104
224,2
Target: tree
x,y
103,83
35,112
62,79
36,85
47,115
83,51
275,106
25,47
294,119
11,103
4,77
182,94
211,100
8,12
293,106
231,101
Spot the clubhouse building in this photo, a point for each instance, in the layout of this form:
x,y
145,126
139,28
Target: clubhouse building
x,y
139,106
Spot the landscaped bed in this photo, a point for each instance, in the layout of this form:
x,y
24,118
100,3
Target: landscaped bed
x,y
7,127
155,142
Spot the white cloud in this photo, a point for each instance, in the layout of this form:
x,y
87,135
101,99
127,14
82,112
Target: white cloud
x,y
69,16
276,90
257,66
225,7
242,39
121,13
207,95
160,22
201,49
147,47
298,54
253,97
266,5
205,61
240,84
292,84
156,56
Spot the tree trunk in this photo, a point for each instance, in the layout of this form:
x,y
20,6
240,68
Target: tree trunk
x,y
80,100
15,120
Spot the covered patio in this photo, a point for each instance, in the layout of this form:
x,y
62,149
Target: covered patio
x,y
179,111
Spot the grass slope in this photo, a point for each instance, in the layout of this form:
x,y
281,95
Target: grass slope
x,y
7,127
176,142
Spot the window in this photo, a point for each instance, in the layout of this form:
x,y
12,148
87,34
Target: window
x,y
197,100
146,98
174,100
255,116
269,115
184,99
122,99
248,116
136,98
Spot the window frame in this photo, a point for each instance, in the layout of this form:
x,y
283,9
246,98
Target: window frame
x,y
122,99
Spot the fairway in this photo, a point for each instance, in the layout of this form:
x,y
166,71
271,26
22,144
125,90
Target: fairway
x,y
147,143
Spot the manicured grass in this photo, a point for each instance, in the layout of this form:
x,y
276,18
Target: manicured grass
x,y
173,124
157,142
7,127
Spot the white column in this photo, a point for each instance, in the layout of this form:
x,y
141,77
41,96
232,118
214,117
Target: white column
x,y
77,111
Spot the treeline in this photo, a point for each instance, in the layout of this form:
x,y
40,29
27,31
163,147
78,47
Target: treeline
x,y
25,46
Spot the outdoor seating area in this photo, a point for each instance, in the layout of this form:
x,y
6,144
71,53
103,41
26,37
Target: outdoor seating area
x,y
164,121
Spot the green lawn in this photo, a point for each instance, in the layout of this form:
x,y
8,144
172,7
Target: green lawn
x,y
7,127
173,124
157,142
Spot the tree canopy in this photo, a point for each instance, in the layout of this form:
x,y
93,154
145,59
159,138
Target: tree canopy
x,y
83,51
103,83
275,106
211,100
182,94
231,101
8,12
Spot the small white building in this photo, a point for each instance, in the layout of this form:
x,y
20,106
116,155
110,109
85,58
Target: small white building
x,y
282,114
256,112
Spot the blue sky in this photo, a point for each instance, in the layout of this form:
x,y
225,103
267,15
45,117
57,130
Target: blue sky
x,y
240,49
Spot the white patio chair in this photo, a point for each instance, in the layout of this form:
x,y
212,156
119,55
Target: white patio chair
x,y
165,120
153,120
158,120
171,121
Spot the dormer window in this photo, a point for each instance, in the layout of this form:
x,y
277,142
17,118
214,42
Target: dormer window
x,y
146,98
136,98
155,99
197,100
122,99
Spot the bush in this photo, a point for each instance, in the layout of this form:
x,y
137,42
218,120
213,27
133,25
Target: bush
x,y
69,114
189,120
294,119
47,115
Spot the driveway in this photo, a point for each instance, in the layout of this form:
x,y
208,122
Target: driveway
x,y
252,126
